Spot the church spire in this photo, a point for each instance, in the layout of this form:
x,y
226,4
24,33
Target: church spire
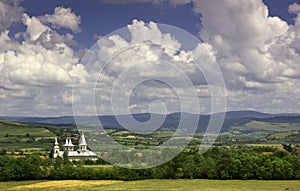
x,y
82,140
67,142
55,143
68,145
82,144
70,142
55,149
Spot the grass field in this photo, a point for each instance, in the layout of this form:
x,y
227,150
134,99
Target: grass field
x,y
265,126
14,129
155,185
281,135
266,145
16,136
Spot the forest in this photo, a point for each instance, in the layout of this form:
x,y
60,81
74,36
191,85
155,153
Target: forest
x,y
239,162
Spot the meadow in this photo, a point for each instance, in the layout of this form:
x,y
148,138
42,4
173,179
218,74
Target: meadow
x,y
25,138
266,126
155,185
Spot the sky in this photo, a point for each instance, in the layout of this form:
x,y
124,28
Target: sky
x,y
53,53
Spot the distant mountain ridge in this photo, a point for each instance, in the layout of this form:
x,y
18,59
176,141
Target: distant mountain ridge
x,y
232,118
248,114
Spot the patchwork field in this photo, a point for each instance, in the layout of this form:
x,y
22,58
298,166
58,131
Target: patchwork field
x,y
155,185
267,126
13,129
15,137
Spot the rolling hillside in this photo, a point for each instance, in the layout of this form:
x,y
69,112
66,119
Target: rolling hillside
x,y
17,137
234,120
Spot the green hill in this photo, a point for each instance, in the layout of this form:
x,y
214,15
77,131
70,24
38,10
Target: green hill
x,y
270,132
16,138
255,126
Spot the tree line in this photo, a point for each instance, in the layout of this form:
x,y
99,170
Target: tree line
x,y
216,163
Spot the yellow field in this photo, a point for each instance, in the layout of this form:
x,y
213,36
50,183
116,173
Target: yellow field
x,y
61,185
158,185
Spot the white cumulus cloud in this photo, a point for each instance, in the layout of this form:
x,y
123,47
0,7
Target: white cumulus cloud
x,y
258,55
62,18
38,70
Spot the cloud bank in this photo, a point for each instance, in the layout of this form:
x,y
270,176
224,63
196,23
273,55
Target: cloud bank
x,y
258,54
259,57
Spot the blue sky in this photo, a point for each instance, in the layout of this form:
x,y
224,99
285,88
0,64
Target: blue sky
x,y
103,18
254,44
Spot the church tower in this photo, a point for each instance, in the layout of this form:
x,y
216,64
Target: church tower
x,y
68,145
55,149
82,144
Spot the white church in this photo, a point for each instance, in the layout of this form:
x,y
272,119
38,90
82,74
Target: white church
x,y
81,154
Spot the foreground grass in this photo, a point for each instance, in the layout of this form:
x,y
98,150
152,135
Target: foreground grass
x,y
191,185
